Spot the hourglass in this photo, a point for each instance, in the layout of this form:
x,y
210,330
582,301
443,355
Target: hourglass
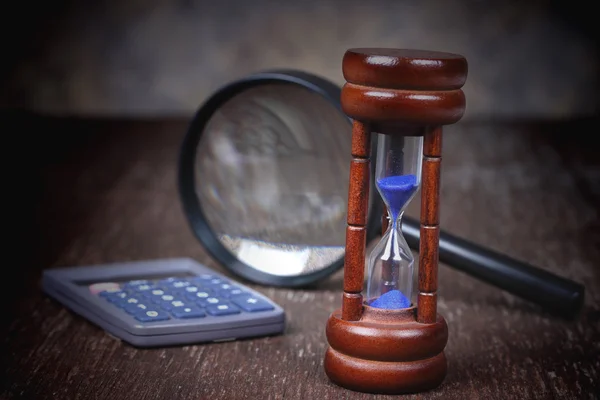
x,y
391,341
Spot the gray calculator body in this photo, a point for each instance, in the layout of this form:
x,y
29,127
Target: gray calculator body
x,y
86,291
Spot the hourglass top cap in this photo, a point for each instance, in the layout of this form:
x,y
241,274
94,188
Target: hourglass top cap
x,y
394,88
404,69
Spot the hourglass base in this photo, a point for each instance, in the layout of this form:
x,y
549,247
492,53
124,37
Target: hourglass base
x,y
387,351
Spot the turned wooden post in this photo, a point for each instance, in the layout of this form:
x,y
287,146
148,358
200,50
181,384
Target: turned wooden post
x,y
356,229
430,226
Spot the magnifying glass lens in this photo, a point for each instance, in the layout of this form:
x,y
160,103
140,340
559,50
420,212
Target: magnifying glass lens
x,y
271,173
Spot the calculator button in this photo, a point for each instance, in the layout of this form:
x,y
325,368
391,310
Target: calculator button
x,y
153,293
177,292
122,303
203,294
135,308
226,286
173,283
229,293
172,292
222,309
151,316
187,312
208,301
163,298
213,283
143,288
116,297
252,304
169,305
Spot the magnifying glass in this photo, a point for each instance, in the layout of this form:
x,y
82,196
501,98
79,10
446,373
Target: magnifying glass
x,y
263,179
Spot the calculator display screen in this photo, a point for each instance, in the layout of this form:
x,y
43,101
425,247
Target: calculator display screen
x,y
123,279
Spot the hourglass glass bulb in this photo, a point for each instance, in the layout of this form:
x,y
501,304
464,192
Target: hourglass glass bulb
x,y
391,263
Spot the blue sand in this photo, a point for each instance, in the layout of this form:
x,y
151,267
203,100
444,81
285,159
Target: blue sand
x,y
397,190
392,300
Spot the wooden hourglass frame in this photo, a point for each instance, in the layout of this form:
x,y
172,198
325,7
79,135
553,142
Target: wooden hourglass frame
x,y
409,93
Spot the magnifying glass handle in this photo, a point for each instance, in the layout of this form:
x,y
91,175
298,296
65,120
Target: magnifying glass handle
x,y
554,293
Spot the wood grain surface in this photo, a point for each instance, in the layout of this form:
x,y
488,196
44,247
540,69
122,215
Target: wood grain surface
x,y
105,191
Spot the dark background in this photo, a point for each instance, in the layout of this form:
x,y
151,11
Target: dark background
x,y
96,97
527,59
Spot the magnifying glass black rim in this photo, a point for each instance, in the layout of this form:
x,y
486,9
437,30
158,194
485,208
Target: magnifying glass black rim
x,y
187,177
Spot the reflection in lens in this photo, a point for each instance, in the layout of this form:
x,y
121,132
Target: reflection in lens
x,y
272,172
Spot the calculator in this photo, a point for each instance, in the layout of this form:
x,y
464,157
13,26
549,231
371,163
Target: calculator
x,y
164,302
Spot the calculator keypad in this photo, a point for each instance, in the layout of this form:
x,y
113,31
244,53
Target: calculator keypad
x,y
183,298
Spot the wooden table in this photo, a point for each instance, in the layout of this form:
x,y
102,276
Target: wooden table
x,y
97,191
